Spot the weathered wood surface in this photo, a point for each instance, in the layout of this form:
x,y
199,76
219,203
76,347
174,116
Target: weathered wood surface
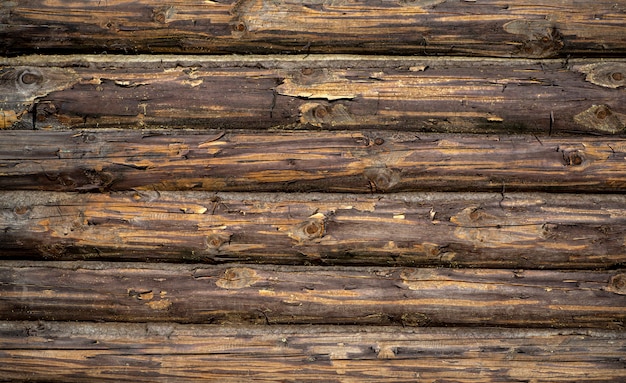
x,y
528,28
85,352
464,229
295,161
84,291
312,92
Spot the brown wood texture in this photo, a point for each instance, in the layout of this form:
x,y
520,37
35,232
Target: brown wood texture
x,y
295,161
86,352
529,28
322,211
452,229
312,92
310,295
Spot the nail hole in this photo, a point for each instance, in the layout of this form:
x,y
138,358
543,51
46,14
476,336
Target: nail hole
x,y
240,27
617,76
379,141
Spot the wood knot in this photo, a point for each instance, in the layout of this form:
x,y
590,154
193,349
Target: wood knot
x,y
66,181
51,251
605,74
237,278
28,81
21,210
145,196
30,76
216,240
617,284
602,112
322,114
313,228
543,39
601,118
415,320
382,178
547,46
478,215
162,15
239,28
573,158
98,180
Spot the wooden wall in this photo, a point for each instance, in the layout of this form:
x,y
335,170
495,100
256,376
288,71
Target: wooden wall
x,y
313,190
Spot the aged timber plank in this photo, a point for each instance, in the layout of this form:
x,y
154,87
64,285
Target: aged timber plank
x,y
288,161
310,295
84,352
463,229
329,92
528,28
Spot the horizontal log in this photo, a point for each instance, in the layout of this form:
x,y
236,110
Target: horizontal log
x,y
310,295
475,230
293,161
529,28
312,92
84,352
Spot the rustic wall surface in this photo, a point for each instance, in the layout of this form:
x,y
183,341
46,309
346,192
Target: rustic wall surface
x,y
313,190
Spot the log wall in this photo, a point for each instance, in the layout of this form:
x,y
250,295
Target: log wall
x,y
304,190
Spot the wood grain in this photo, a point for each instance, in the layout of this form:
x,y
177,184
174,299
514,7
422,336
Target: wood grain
x,y
528,28
311,295
294,161
314,92
84,352
452,229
